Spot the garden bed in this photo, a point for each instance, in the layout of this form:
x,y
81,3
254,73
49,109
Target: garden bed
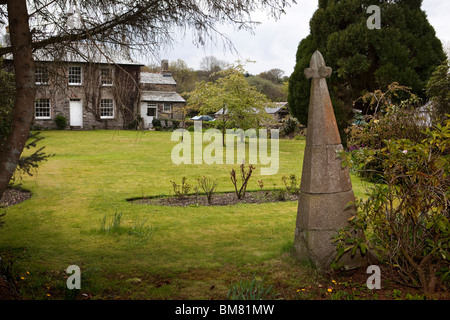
x,y
218,199
14,196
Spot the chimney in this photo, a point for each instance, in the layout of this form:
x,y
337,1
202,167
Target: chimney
x,y
165,68
73,16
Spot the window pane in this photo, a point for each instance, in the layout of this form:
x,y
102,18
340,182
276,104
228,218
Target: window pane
x,y
151,112
167,107
42,109
106,108
41,75
106,75
74,75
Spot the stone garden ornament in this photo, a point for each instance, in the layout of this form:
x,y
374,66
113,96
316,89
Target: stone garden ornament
x,y
326,188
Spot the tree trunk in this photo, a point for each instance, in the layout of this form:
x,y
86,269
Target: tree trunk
x,y
11,150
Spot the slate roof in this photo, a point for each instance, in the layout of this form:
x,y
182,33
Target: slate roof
x,y
156,78
82,52
161,96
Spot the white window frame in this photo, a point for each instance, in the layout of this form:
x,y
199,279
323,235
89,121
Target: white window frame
x,y
80,76
167,104
153,106
111,106
41,102
41,73
106,84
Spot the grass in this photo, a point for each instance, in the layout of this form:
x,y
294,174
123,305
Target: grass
x,y
150,252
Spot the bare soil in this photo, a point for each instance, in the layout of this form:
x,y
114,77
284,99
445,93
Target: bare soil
x,y
218,199
14,196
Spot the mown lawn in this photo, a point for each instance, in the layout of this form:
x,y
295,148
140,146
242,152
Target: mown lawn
x,y
160,252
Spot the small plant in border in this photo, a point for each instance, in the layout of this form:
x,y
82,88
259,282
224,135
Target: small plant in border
x,y
245,176
292,183
181,190
209,186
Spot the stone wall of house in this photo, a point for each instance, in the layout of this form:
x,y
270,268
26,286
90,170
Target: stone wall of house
x,y
90,95
176,113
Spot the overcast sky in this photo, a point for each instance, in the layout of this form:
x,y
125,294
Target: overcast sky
x,y
274,43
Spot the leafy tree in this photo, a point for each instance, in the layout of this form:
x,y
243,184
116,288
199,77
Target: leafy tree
x,y
274,75
212,64
183,75
404,50
274,92
240,103
438,89
143,25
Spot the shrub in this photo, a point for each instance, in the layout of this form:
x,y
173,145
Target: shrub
x,y
388,122
244,177
208,186
189,123
175,123
405,220
61,122
280,194
156,123
289,125
181,190
292,184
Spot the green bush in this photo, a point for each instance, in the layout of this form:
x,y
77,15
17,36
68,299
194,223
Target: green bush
x,y
292,183
388,122
175,123
61,122
289,125
188,123
156,123
405,220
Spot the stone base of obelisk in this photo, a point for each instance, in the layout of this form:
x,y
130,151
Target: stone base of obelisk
x,y
318,220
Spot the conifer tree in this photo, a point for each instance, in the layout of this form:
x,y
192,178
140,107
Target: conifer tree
x,y
405,50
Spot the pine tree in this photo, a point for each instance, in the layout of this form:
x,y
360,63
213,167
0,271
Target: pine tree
x,y
405,50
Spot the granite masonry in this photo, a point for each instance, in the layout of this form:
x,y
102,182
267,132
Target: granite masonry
x,y
326,188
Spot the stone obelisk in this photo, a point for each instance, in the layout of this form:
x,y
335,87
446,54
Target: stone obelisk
x,y
325,188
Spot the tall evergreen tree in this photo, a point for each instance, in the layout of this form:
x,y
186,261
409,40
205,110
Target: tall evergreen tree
x,y
405,50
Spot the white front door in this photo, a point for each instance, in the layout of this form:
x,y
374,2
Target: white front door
x,y
149,111
76,113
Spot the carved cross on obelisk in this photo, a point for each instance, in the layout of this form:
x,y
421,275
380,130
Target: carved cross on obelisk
x,y
325,188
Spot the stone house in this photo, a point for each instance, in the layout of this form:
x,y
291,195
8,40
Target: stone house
x,y
159,99
101,88
279,111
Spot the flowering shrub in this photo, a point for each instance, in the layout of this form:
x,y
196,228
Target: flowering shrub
x,y
405,220
394,122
